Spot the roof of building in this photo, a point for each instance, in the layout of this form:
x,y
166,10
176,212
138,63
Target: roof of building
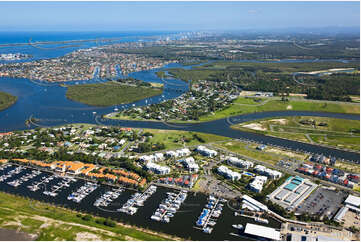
x,y
291,186
352,200
340,214
262,231
255,202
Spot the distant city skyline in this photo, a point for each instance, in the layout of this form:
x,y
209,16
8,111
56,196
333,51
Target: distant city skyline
x,y
176,16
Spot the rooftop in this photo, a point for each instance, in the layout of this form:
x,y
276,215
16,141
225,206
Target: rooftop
x,y
262,231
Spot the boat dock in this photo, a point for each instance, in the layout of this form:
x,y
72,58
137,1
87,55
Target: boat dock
x,y
256,218
24,178
12,172
108,197
82,192
44,180
168,207
210,214
137,199
56,188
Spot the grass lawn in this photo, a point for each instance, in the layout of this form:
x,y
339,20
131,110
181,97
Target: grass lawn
x,y
55,223
109,94
278,105
269,155
338,132
6,100
173,139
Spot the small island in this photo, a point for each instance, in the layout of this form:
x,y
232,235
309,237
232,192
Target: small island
x,y
111,93
6,100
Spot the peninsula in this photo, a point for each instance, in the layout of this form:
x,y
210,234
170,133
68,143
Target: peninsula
x,y
111,93
6,100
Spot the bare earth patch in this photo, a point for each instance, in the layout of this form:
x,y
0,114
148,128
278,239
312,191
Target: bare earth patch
x,y
85,236
254,126
280,121
282,152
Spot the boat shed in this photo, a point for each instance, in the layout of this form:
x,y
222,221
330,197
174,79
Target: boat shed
x,y
262,232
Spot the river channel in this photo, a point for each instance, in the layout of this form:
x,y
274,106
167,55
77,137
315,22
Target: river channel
x,y
47,103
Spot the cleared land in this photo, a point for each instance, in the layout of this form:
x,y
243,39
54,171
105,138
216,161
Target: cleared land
x,y
174,139
339,133
6,100
109,94
269,155
54,223
278,105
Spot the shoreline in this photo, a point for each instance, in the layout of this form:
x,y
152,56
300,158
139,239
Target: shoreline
x,y
74,212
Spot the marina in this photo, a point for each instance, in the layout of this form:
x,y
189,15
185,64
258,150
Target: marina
x,y
82,192
54,190
137,200
256,218
25,178
168,207
44,180
11,173
208,217
108,197
190,208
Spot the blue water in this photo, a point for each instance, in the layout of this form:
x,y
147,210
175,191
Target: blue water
x,y
56,50
48,103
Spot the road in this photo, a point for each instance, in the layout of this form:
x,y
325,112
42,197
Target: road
x,y
285,170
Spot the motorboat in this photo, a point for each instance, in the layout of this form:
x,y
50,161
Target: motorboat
x,y
261,220
207,230
238,226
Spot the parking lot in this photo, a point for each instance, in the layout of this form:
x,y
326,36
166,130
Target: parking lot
x,y
211,185
322,202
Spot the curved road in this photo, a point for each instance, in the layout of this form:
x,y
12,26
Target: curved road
x,y
222,127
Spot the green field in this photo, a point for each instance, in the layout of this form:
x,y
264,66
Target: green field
x,y
174,139
6,100
269,155
278,105
109,94
337,132
54,223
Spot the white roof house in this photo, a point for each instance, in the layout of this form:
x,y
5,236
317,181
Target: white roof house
x,y
206,152
190,164
226,172
159,156
240,163
171,153
262,231
257,183
353,203
178,153
157,168
268,172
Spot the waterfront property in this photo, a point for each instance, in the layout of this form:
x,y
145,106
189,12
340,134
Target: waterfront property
x,y
292,192
334,175
252,204
205,151
146,203
228,173
261,232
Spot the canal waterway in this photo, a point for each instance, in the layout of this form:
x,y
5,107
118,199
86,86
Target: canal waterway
x,y
182,224
47,103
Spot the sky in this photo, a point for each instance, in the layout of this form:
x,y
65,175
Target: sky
x,y
176,16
